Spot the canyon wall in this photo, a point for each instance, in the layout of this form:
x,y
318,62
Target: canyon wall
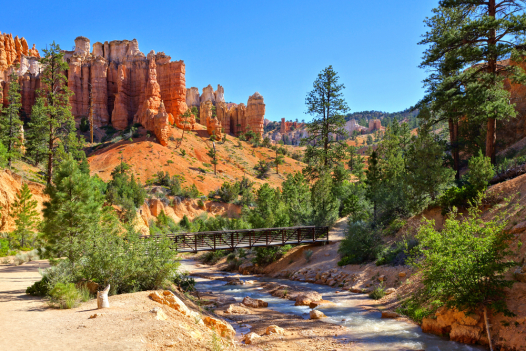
x,y
15,56
125,86
119,76
233,118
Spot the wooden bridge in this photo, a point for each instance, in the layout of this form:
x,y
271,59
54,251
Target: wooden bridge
x,y
248,238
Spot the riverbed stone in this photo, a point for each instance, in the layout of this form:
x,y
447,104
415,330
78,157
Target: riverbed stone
x,y
254,303
315,314
305,298
274,329
246,268
315,304
390,314
251,338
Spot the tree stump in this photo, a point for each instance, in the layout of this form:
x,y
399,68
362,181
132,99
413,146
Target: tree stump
x,y
102,298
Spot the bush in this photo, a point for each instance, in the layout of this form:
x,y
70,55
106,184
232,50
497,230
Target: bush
x,y
212,257
67,295
463,266
40,288
4,248
267,255
396,254
361,244
378,293
84,125
412,309
184,281
308,254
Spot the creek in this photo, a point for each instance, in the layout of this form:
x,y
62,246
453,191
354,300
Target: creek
x,y
365,328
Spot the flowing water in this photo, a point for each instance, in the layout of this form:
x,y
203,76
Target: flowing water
x,y
365,328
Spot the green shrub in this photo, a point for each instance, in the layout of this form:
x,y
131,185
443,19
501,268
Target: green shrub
x,y
412,309
65,296
378,293
4,248
184,281
267,255
39,288
308,254
212,257
84,125
396,254
361,244
463,266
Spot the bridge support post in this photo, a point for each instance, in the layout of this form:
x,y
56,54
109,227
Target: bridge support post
x,y
214,242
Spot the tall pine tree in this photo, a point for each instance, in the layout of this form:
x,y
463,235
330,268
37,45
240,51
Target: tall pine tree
x,y
26,218
10,123
326,104
58,121
488,32
37,133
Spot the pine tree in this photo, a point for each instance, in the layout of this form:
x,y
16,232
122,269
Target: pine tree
x,y
356,162
10,123
324,204
3,156
278,160
373,182
212,153
59,122
72,214
37,133
488,32
428,176
325,102
26,218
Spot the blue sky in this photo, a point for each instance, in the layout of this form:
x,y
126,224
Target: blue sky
x,y
274,47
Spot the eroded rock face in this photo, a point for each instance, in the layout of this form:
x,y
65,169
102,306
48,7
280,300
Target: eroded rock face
x,y
192,97
213,125
162,125
461,327
255,114
150,106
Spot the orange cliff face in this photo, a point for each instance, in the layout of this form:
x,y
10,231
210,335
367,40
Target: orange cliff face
x,y
13,52
122,86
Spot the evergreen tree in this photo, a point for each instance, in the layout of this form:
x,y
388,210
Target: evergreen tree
x,y
10,123
278,160
428,177
324,204
326,104
3,156
72,214
58,120
296,194
356,162
26,218
213,156
37,133
125,191
373,181
488,31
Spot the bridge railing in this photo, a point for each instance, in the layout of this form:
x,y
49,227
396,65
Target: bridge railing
x,y
248,238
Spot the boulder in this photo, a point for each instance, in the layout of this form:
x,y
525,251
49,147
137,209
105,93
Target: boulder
x,y
235,309
390,291
381,278
274,329
222,328
251,338
390,314
234,281
315,314
315,304
304,299
402,274
168,298
246,268
254,303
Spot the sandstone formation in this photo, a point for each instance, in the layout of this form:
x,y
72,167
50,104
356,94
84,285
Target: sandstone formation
x,y
182,122
255,113
120,78
150,105
232,117
13,52
161,125
213,125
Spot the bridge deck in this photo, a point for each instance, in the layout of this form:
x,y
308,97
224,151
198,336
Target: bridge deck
x,y
248,238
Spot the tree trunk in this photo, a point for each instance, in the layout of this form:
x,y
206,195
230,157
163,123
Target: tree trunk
x,y
491,137
453,137
487,328
491,134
